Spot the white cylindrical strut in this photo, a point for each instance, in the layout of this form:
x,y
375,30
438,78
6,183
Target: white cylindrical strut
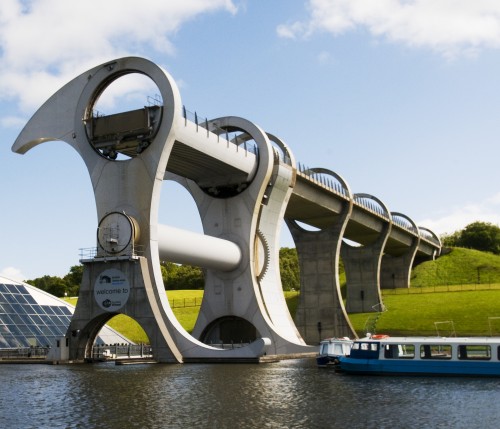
x,y
186,247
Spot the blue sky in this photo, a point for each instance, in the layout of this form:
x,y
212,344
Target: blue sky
x,y
401,98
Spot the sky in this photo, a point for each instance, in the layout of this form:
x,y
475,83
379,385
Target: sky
x,y
399,97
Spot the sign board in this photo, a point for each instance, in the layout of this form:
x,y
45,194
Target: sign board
x,y
111,289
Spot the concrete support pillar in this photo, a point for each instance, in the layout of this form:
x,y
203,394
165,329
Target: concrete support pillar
x,y
321,312
362,268
119,287
396,267
396,270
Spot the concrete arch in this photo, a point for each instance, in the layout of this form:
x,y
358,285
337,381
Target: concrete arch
x,y
430,236
396,265
359,197
286,154
220,331
345,191
427,233
363,264
413,226
338,177
87,336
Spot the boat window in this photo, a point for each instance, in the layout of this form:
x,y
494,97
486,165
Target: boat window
x,y
364,346
474,352
399,351
369,346
324,349
435,351
364,350
337,349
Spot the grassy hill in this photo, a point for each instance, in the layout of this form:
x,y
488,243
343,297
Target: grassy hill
x,y
459,291
458,266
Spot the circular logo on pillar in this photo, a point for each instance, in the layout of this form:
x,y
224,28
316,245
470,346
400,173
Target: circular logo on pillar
x,y
111,289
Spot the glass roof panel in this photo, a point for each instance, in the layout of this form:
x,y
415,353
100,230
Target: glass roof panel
x,y
26,318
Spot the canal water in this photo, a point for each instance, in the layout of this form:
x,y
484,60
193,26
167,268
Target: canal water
x,y
286,394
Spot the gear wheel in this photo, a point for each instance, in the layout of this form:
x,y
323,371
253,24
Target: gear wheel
x,y
267,255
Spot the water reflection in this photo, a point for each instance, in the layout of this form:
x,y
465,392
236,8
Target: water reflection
x,y
288,394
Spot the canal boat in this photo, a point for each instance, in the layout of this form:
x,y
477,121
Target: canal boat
x,y
382,354
331,349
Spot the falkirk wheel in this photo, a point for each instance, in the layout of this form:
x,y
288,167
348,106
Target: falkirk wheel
x,y
241,196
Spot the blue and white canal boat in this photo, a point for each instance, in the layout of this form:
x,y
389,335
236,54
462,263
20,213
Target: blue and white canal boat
x,y
331,349
381,354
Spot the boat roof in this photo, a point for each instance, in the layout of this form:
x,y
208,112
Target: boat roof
x,y
432,340
337,340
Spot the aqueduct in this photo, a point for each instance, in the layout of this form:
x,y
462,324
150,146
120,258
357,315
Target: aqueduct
x,y
245,183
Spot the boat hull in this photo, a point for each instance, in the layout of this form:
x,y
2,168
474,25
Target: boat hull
x,y
327,361
406,367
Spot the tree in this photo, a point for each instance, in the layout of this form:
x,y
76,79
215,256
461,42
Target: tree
x,y
176,277
51,284
289,269
451,240
74,279
480,236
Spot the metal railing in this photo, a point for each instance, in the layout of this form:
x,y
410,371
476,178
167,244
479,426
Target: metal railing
x,y
88,253
426,235
370,205
231,138
24,353
228,346
417,290
185,302
404,224
121,351
321,179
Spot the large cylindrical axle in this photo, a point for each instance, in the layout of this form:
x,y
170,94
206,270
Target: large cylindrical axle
x,y
186,247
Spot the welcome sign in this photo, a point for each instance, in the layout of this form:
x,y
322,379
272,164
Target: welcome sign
x,y
111,289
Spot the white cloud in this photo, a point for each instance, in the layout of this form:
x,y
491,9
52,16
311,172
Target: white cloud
x,y
12,122
12,273
450,27
291,31
324,57
45,43
459,217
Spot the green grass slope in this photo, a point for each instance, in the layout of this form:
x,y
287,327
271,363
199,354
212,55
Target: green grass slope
x,y
462,287
468,313
459,266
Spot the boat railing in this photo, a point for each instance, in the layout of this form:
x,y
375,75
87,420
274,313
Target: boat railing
x,y
442,332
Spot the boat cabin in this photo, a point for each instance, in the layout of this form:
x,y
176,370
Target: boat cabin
x,y
425,348
424,355
331,349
